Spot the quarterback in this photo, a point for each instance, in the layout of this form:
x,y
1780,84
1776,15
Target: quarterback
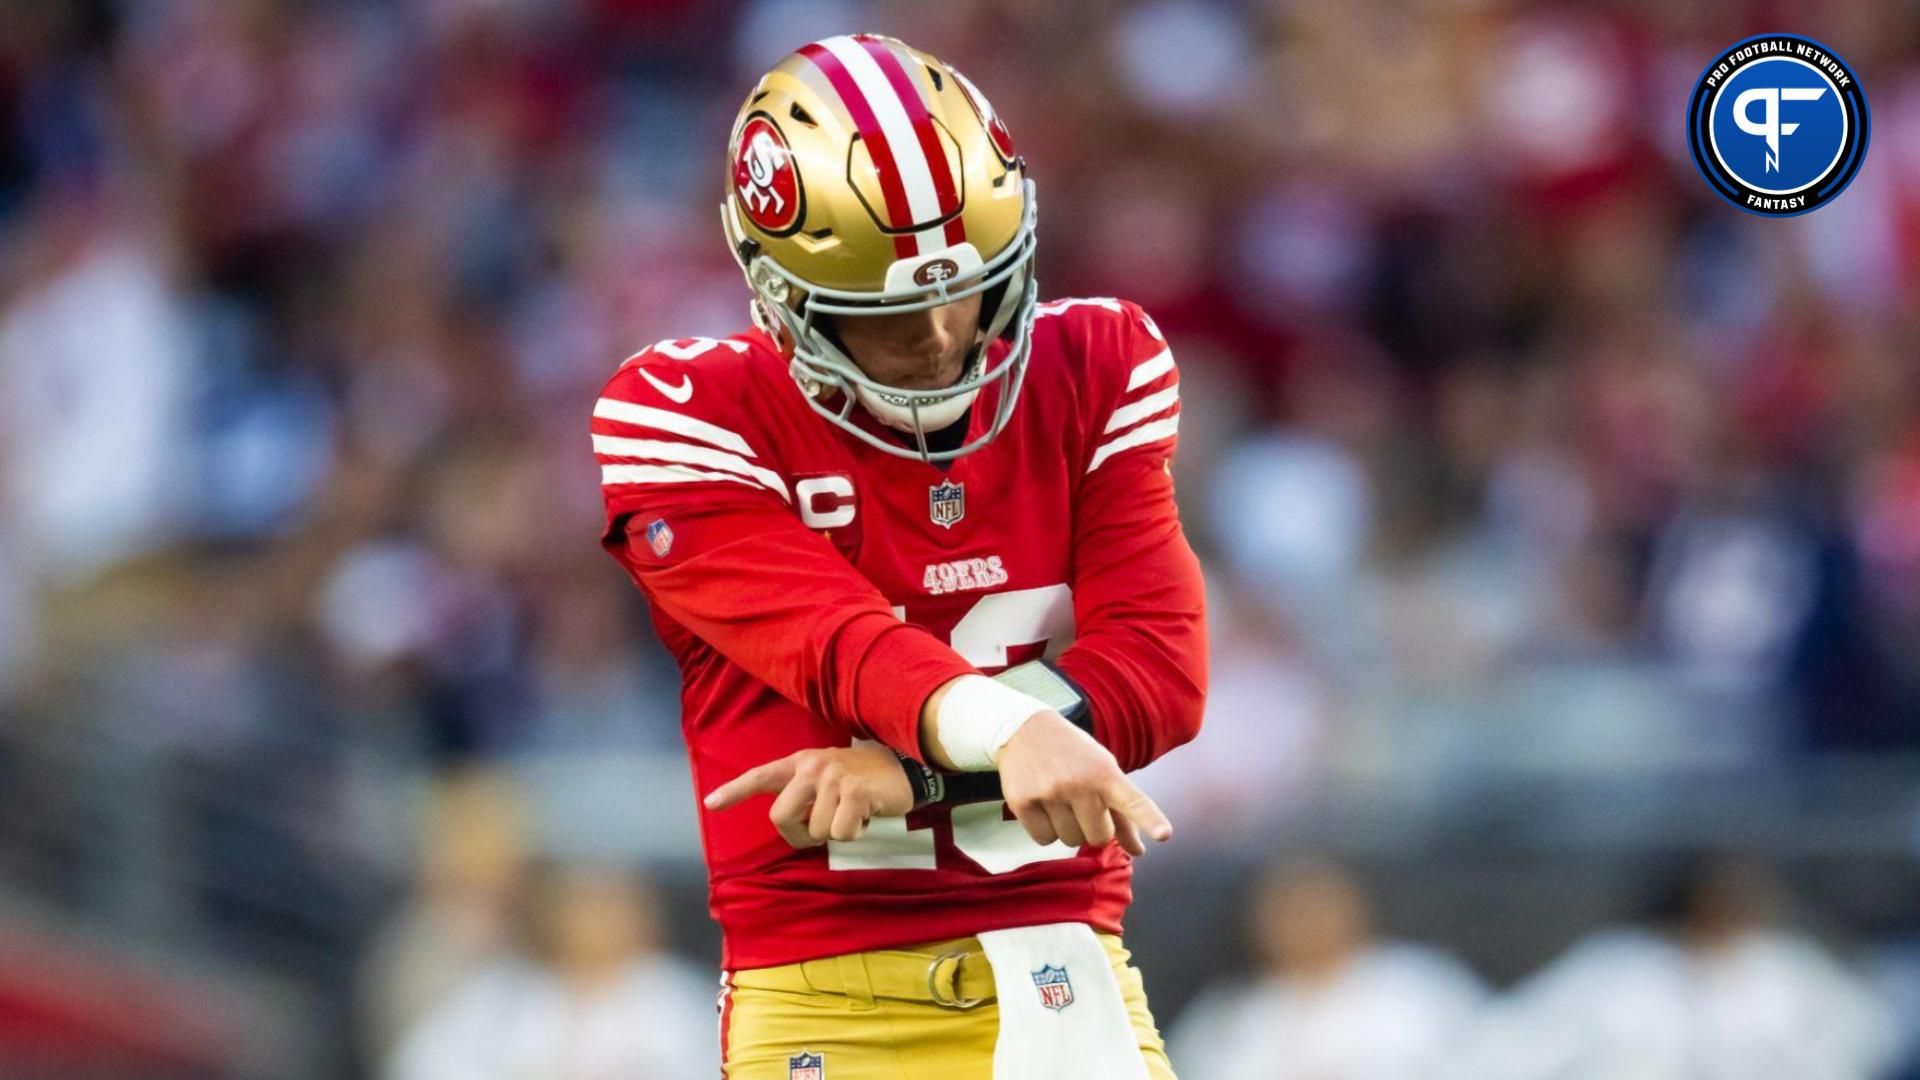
x,y
912,540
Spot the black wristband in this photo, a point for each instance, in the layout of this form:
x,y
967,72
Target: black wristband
x,y
928,785
972,787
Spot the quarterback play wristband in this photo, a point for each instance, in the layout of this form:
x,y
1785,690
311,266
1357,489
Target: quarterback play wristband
x,y
977,717
1052,688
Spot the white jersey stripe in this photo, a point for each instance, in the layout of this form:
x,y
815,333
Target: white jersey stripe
x,y
616,446
663,474
1129,415
626,412
1056,307
915,174
1150,369
1140,436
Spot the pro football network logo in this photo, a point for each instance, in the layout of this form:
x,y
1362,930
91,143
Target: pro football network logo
x,y
1778,125
1056,990
806,1066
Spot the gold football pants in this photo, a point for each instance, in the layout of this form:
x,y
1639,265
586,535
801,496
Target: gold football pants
x,y
921,1013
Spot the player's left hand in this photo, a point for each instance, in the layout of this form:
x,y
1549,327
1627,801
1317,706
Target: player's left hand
x,y
1063,785
823,794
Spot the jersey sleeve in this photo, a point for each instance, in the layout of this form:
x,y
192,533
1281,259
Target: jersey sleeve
x,y
1140,653
704,525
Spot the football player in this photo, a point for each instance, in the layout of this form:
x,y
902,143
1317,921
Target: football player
x,y
912,540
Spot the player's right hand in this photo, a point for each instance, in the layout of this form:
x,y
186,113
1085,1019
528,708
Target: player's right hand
x,y
823,794
1063,785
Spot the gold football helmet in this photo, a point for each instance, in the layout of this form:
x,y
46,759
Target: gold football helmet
x,y
864,178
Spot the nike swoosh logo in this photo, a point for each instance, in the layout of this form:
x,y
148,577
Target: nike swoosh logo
x,y
676,394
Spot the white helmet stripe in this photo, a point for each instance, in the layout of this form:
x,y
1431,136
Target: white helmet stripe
x,y
915,174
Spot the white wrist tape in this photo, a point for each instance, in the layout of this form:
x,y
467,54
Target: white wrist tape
x,y
977,717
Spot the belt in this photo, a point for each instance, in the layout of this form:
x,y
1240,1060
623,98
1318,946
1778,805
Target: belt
x,y
952,974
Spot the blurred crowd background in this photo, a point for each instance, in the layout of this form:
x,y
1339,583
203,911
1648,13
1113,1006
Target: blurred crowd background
x,y
1563,524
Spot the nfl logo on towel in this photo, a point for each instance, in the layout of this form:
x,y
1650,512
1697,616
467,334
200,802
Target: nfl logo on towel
x,y
806,1066
947,503
660,538
1056,990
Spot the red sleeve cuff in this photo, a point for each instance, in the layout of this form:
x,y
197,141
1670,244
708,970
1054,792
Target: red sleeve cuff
x,y
1135,738
1096,680
896,667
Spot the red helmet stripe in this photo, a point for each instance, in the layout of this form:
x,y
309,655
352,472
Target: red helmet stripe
x,y
899,215
922,120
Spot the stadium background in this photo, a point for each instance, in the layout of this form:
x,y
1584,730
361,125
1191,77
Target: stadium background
x,y
1563,522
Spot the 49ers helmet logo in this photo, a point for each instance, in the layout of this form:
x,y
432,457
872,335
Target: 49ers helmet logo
x,y
935,271
764,179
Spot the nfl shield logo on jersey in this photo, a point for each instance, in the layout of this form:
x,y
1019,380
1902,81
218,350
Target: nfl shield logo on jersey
x,y
805,1066
1056,990
660,538
947,503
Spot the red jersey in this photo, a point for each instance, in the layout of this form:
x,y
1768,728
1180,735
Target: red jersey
x,y
816,590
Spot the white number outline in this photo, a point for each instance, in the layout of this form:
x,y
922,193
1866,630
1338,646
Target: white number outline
x,y
697,346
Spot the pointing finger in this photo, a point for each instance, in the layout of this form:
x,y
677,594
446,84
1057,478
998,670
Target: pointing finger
x,y
765,779
1142,811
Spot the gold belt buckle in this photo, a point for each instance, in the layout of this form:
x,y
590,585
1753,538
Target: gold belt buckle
x,y
933,983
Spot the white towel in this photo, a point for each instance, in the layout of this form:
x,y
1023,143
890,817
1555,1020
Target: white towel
x,y
1062,1016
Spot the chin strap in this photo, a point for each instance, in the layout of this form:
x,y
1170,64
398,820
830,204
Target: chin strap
x,y
766,323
